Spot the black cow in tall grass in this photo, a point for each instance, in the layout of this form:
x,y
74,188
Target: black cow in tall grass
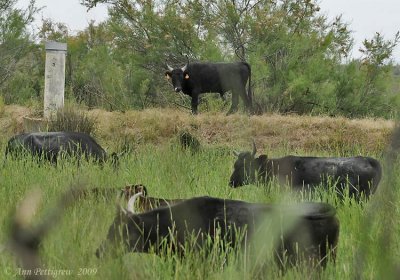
x,y
51,145
308,230
196,78
352,175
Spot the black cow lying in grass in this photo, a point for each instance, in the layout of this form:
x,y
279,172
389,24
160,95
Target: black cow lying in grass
x,y
50,145
312,229
352,175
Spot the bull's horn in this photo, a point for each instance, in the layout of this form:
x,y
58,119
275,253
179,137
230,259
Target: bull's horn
x,y
184,68
170,68
236,153
131,202
254,148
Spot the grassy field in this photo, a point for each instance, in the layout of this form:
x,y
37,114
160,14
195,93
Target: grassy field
x,y
369,240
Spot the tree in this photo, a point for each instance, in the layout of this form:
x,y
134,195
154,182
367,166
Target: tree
x,y
297,55
16,51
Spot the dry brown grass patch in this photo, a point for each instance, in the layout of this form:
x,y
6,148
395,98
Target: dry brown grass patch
x,y
270,131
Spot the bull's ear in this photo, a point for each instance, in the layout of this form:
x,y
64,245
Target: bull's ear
x,y
126,192
186,76
168,75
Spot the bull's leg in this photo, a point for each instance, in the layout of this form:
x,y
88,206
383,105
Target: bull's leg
x,y
235,102
195,103
246,100
222,96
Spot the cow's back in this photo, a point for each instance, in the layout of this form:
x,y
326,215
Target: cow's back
x,y
311,227
359,174
71,143
216,77
89,147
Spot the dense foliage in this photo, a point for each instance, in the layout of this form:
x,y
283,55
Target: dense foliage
x,y
300,59
18,54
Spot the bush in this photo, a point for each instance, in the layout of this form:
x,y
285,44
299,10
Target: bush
x,y
189,141
72,120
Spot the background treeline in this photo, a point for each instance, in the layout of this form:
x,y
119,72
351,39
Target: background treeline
x,y
300,59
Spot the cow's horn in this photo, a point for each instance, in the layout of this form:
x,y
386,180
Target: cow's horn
x,y
236,153
184,68
170,68
131,202
254,148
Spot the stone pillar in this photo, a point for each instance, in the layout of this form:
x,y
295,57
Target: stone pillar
x,y
54,82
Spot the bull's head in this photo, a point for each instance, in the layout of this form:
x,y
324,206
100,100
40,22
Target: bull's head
x,y
244,168
177,76
125,233
128,191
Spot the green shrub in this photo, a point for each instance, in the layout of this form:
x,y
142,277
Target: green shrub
x,y
189,141
73,120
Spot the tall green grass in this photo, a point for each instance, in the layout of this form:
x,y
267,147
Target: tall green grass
x,y
170,172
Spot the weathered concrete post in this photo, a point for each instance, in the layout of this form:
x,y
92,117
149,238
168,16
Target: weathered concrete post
x,y
54,82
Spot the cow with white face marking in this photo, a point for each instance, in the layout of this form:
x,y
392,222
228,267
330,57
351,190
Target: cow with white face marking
x,y
194,79
147,203
309,230
355,176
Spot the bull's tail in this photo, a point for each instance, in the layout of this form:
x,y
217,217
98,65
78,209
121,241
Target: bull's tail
x,y
249,94
378,173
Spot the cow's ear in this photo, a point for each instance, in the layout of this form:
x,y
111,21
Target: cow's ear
x,y
186,76
168,75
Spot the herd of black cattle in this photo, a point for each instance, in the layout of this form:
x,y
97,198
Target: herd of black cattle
x,y
308,231
305,231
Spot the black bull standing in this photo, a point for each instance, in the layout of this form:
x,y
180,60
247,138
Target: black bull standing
x,y
305,231
352,175
196,78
